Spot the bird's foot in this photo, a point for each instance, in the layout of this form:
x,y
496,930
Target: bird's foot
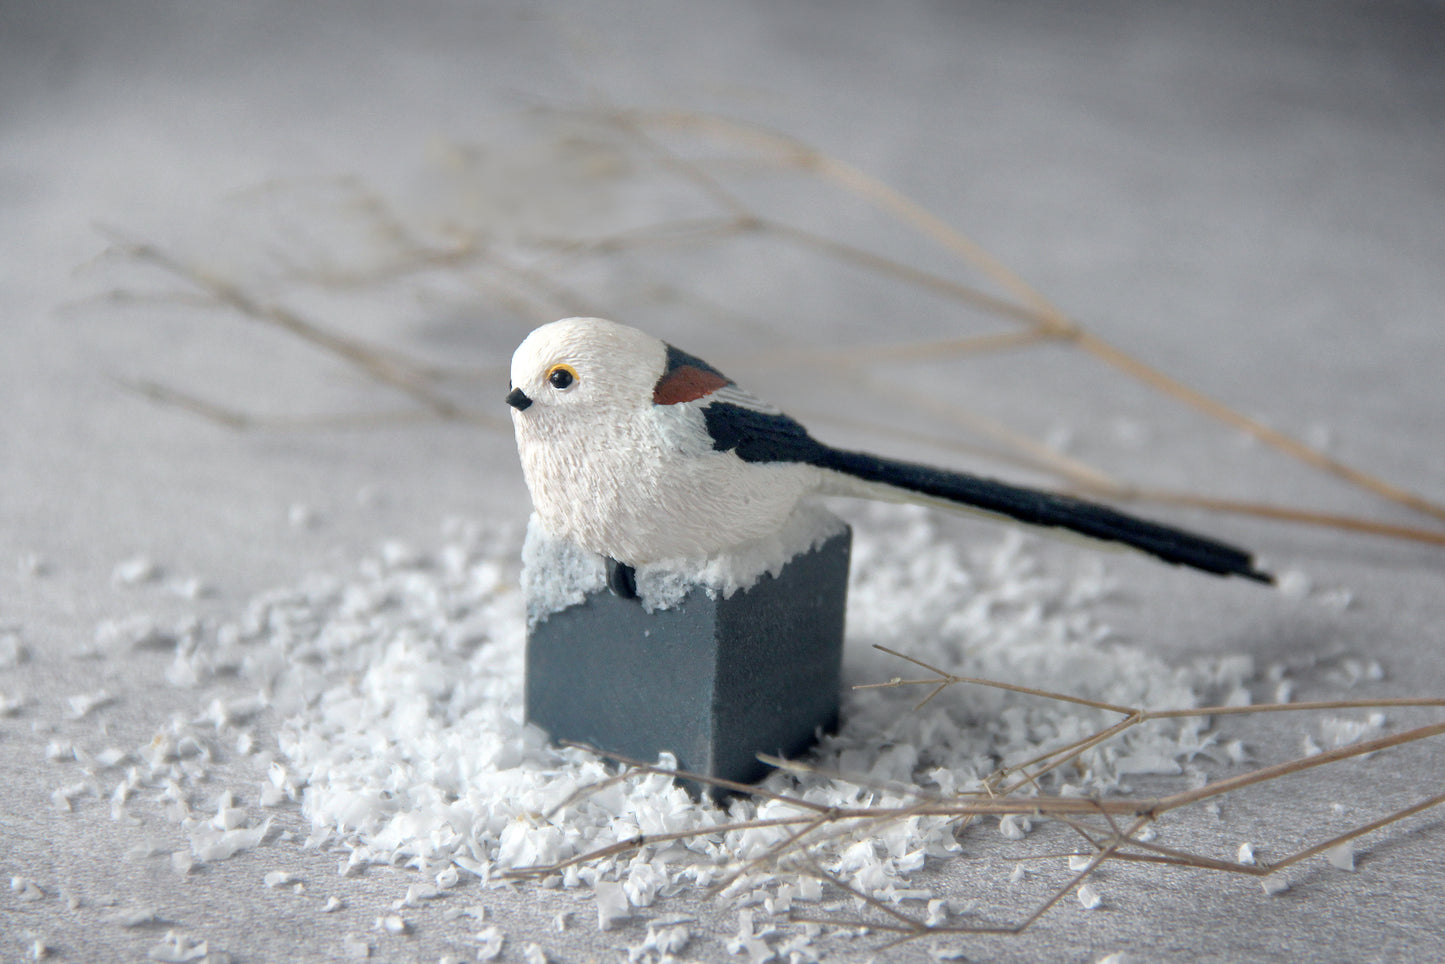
x,y
621,579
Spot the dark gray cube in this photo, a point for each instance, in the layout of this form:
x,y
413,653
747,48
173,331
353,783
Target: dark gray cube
x,y
712,680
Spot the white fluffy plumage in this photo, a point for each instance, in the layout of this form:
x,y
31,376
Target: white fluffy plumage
x,y
618,474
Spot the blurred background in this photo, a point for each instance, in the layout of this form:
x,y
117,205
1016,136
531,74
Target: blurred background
x,y
1240,196
195,197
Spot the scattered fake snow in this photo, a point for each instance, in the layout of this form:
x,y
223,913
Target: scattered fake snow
x,y
12,651
1342,855
83,703
31,565
612,906
1342,731
662,939
354,948
176,948
490,942
1274,884
406,739
26,889
559,575
132,917
135,571
399,687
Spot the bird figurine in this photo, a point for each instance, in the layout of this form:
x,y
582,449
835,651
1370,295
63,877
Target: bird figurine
x,y
640,452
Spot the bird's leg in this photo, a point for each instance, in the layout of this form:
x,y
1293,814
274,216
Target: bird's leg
x,y
621,579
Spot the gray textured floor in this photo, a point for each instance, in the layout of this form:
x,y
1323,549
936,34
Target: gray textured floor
x,y
1252,199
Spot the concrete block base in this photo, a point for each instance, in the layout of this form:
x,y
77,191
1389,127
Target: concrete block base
x,y
712,680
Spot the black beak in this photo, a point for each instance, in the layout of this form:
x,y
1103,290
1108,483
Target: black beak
x,y
518,399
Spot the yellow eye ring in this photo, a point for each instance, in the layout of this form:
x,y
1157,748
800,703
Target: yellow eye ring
x,y
561,377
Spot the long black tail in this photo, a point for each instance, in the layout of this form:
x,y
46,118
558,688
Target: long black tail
x,y
1047,509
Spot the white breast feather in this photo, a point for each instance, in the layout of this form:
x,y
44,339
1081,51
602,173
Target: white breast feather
x,y
653,488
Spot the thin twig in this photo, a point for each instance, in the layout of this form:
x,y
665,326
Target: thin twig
x,y
1040,313
375,362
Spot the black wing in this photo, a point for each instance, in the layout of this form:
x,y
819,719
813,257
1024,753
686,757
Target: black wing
x,y
759,436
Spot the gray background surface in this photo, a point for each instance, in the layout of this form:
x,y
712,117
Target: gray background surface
x,y
1251,197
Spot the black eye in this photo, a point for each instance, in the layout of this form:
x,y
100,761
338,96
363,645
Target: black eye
x,y
561,377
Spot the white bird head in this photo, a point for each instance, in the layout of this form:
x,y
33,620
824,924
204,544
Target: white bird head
x,y
578,377
587,432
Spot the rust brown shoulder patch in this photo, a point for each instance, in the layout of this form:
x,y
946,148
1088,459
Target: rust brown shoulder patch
x,y
686,383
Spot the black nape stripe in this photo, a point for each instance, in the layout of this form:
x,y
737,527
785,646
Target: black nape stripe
x,y
677,358
760,436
